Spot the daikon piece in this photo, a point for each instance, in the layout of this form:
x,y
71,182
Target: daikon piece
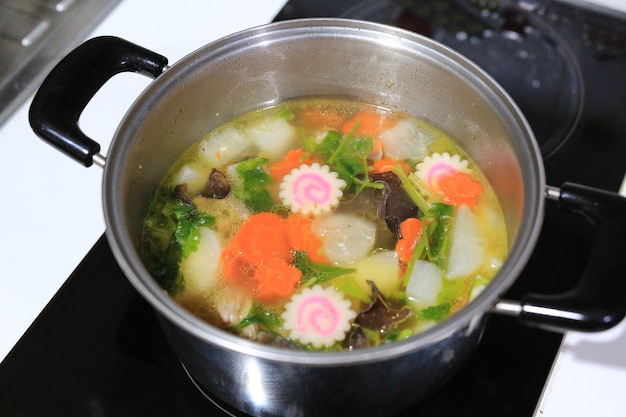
x,y
194,175
406,140
467,252
225,147
200,267
346,237
273,137
424,283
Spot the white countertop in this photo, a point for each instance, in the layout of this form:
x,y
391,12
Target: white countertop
x,y
51,212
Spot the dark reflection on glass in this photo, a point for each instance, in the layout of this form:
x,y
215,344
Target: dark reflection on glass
x,y
517,48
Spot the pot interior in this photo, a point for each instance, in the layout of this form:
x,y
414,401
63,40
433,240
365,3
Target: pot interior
x,y
367,62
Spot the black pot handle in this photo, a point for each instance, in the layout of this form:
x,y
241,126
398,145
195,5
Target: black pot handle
x,y
69,87
598,301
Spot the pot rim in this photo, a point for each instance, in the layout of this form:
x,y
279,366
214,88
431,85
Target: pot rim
x,y
126,254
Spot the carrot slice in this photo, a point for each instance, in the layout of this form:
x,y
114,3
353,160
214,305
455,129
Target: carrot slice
x,y
259,255
410,230
301,237
387,164
367,123
275,279
459,189
262,237
293,159
377,150
235,269
321,117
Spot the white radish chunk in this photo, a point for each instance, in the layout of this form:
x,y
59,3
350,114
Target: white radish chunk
x,y
406,140
200,267
345,237
273,137
194,175
233,306
467,252
382,268
226,146
424,283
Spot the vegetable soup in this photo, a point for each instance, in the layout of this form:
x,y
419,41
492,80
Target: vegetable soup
x,y
324,224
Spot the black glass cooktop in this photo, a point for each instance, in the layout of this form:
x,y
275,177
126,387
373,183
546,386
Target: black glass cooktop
x,y
97,350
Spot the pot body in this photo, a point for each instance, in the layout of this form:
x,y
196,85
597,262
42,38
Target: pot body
x,y
371,63
377,386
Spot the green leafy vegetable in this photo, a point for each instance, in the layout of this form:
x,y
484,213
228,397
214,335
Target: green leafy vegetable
x,y
434,243
398,335
188,222
286,114
348,160
267,319
439,218
452,290
347,155
411,190
171,233
317,273
329,144
434,313
348,285
253,187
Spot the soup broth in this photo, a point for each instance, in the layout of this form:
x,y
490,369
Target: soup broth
x,y
324,224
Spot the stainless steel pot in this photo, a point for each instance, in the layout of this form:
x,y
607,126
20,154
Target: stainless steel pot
x,y
371,63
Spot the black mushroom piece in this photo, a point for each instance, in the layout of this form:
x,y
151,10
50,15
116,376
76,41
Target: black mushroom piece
x,y
217,186
180,193
395,204
380,316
